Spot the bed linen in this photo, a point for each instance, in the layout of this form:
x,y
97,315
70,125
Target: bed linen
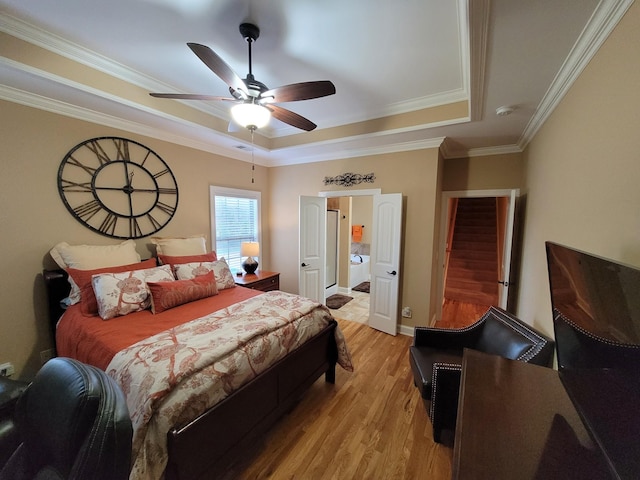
x,y
92,340
176,373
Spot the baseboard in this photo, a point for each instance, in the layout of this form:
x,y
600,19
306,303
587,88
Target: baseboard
x,y
406,330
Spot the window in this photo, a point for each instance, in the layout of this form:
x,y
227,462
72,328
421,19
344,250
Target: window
x,y
235,218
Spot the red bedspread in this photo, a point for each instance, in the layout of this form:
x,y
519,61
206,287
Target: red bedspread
x,y
95,341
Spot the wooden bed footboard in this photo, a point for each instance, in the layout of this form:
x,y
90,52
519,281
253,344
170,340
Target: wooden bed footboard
x,y
204,447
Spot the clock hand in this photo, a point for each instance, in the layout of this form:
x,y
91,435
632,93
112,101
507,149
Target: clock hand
x,y
127,189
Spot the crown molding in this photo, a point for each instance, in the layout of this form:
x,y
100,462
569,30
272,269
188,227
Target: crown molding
x,y
84,56
80,113
363,152
478,40
604,19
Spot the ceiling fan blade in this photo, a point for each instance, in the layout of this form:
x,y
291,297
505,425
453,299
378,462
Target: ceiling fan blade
x,y
191,96
292,118
299,91
218,66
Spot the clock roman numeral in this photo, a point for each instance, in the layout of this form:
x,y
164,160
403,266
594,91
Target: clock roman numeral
x,y
144,160
69,186
167,191
98,151
122,146
156,224
75,162
87,210
134,228
160,173
168,209
108,225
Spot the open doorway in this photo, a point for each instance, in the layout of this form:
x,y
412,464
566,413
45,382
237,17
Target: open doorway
x,y
476,247
386,243
350,256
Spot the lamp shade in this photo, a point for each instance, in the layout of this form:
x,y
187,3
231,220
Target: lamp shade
x,y
249,249
250,115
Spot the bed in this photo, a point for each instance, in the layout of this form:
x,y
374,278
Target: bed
x,y
194,408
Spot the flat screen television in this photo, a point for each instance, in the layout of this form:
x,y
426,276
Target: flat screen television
x,y
599,295
596,321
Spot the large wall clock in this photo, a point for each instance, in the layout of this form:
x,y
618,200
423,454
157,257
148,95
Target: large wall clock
x,y
117,187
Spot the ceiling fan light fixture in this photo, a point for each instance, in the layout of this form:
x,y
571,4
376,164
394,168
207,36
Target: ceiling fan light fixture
x,y
250,115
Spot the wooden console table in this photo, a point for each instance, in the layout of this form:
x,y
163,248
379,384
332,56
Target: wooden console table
x,y
516,421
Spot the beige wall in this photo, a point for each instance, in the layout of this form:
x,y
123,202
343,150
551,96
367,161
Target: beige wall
x,y
583,169
483,173
414,174
361,214
33,218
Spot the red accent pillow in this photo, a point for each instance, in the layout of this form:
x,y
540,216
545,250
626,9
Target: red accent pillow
x,y
174,260
166,295
88,302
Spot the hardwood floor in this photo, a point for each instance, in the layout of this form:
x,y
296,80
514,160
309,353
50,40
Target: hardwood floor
x,y
456,314
370,424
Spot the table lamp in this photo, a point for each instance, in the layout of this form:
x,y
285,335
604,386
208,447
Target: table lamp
x,y
250,250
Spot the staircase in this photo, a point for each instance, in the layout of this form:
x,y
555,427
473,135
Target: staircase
x,y
472,274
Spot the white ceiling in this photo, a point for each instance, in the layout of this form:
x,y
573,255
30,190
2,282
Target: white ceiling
x,y
385,58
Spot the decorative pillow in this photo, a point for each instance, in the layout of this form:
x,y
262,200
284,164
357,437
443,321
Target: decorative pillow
x,y
127,292
174,260
194,245
88,257
82,279
166,295
224,278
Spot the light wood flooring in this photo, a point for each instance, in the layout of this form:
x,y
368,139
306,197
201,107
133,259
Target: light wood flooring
x,y
371,424
457,314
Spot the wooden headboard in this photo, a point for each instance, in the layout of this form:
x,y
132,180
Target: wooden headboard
x,y
58,288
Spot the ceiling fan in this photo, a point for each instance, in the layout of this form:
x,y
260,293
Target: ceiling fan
x,y
255,103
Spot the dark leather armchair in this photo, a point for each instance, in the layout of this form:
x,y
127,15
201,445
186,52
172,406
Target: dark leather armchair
x,y
74,424
436,358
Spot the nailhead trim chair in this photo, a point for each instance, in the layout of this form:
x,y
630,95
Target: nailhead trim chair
x,y
436,358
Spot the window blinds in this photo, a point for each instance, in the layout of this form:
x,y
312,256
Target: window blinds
x,y
236,222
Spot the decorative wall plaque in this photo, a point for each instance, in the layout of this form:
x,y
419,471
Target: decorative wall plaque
x,y
349,179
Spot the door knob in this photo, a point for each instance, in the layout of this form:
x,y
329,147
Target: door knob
x,y
304,265
392,273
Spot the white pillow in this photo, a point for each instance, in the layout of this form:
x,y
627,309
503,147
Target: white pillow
x,y
90,257
194,245
127,292
224,277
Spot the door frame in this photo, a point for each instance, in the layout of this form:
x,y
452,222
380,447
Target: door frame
x,y
350,193
444,211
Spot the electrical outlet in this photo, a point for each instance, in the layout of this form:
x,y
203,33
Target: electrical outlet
x,y
406,312
6,369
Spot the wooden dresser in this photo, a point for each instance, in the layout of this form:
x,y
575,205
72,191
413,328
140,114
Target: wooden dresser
x,y
516,420
261,280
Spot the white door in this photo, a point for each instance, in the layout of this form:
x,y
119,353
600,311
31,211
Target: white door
x,y
312,260
503,290
385,262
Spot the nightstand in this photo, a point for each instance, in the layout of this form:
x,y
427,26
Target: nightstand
x,y
261,280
